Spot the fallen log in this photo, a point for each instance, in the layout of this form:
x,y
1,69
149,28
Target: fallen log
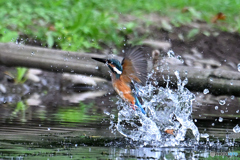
x,y
51,60
217,81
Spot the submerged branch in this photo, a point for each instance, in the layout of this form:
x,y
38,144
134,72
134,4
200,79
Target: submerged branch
x,y
217,81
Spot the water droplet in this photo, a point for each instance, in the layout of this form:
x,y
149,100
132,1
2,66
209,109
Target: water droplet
x,y
238,67
170,53
213,124
231,83
210,79
176,73
76,145
96,67
179,103
205,91
107,113
49,129
232,97
236,129
204,135
216,107
237,111
32,53
39,125
220,119
112,116
222,102
222,111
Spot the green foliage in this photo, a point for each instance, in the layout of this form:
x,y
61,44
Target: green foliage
x,y
21,71
7,35
83,24
192,33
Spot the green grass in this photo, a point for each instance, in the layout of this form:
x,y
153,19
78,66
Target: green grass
x,y
84,24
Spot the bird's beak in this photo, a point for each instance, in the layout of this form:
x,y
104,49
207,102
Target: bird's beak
x,y
100,59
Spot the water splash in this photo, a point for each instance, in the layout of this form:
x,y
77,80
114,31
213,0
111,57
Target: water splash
x,y
167,109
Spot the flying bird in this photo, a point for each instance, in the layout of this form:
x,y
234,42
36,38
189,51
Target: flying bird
x,y
125,75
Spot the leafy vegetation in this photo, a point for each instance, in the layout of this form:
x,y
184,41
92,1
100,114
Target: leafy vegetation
x,y
83,24
18,76
21,71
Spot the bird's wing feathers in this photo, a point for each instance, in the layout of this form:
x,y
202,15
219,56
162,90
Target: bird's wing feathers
x,y
134,65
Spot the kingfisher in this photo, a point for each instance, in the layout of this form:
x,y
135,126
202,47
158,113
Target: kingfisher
x,y
125,75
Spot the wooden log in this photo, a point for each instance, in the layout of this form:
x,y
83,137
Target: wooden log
x,y
52,60
217,81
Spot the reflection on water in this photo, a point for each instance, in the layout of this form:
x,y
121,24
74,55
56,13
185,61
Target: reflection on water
x,y
82,131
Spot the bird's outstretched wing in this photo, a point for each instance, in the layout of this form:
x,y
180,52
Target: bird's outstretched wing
x,y
134,65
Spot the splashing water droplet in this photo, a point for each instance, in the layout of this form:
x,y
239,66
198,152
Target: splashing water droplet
x,y
220,119
112,116
205,91
216,107
166,109
180,58
237,111
236,129
170,53
204,135
107,113
222,102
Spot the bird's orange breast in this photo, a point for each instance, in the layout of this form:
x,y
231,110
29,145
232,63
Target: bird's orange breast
x,y
124,90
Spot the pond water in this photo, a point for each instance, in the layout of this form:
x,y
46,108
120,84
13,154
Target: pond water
x,y
84,131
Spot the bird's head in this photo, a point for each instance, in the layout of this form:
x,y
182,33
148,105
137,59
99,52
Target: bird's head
x,y
113,64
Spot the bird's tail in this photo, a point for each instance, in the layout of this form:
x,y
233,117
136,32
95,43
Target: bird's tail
x,y
138,104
